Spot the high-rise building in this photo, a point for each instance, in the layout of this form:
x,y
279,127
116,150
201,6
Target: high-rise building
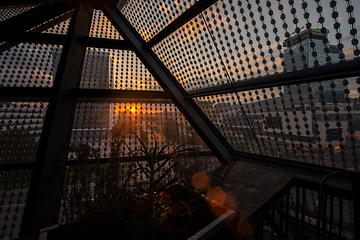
x,y
92,120
311,48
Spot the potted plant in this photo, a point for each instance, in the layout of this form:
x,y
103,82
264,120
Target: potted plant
x,y
144,198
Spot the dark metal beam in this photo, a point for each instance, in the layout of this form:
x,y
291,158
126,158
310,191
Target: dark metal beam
x,y
33,37
59,16
16,166
59,39
114,94
25,3
300,170
189,14
167,81
35,16
106,43
41,207
344,69
24,94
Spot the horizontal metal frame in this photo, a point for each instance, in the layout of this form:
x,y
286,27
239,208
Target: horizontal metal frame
x,y
24,3
330,188
128,159
16,166
123,100
300,170
33,37
106,43
189,14
349,68
59,39
43,94
109,93
24,94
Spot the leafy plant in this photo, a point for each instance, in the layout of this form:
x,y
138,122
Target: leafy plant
x,y
158,168
189,201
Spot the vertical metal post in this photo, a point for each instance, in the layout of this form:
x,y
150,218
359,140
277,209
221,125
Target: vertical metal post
x,y
355,178
281,219
273,223
41,208
331,220
297,202
340,217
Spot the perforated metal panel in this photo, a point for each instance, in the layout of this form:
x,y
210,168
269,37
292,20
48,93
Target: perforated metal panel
x,y
236,40
60,28
14,185
101,27
12,12
315,122
116,69
21,125
29,65
155,15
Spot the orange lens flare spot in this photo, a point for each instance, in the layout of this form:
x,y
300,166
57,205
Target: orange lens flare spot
x,y
200,181
217,196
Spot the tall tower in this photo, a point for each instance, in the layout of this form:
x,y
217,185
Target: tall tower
x,y
92,120
310,48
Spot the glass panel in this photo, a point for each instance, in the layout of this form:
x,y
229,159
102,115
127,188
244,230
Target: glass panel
x,y
29,65
21,125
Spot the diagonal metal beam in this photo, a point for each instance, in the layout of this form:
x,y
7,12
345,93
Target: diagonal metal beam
x,y
37,19
33,37
189,14
109,93
167,81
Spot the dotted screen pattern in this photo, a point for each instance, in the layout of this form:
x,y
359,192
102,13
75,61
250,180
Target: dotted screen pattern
x,y
237,40
116,69
155,15
12,12
14,185
60,28
99,124
29,65
101,27
21,124
315,123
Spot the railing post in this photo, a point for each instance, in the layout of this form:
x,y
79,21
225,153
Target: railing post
x,y
355,178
